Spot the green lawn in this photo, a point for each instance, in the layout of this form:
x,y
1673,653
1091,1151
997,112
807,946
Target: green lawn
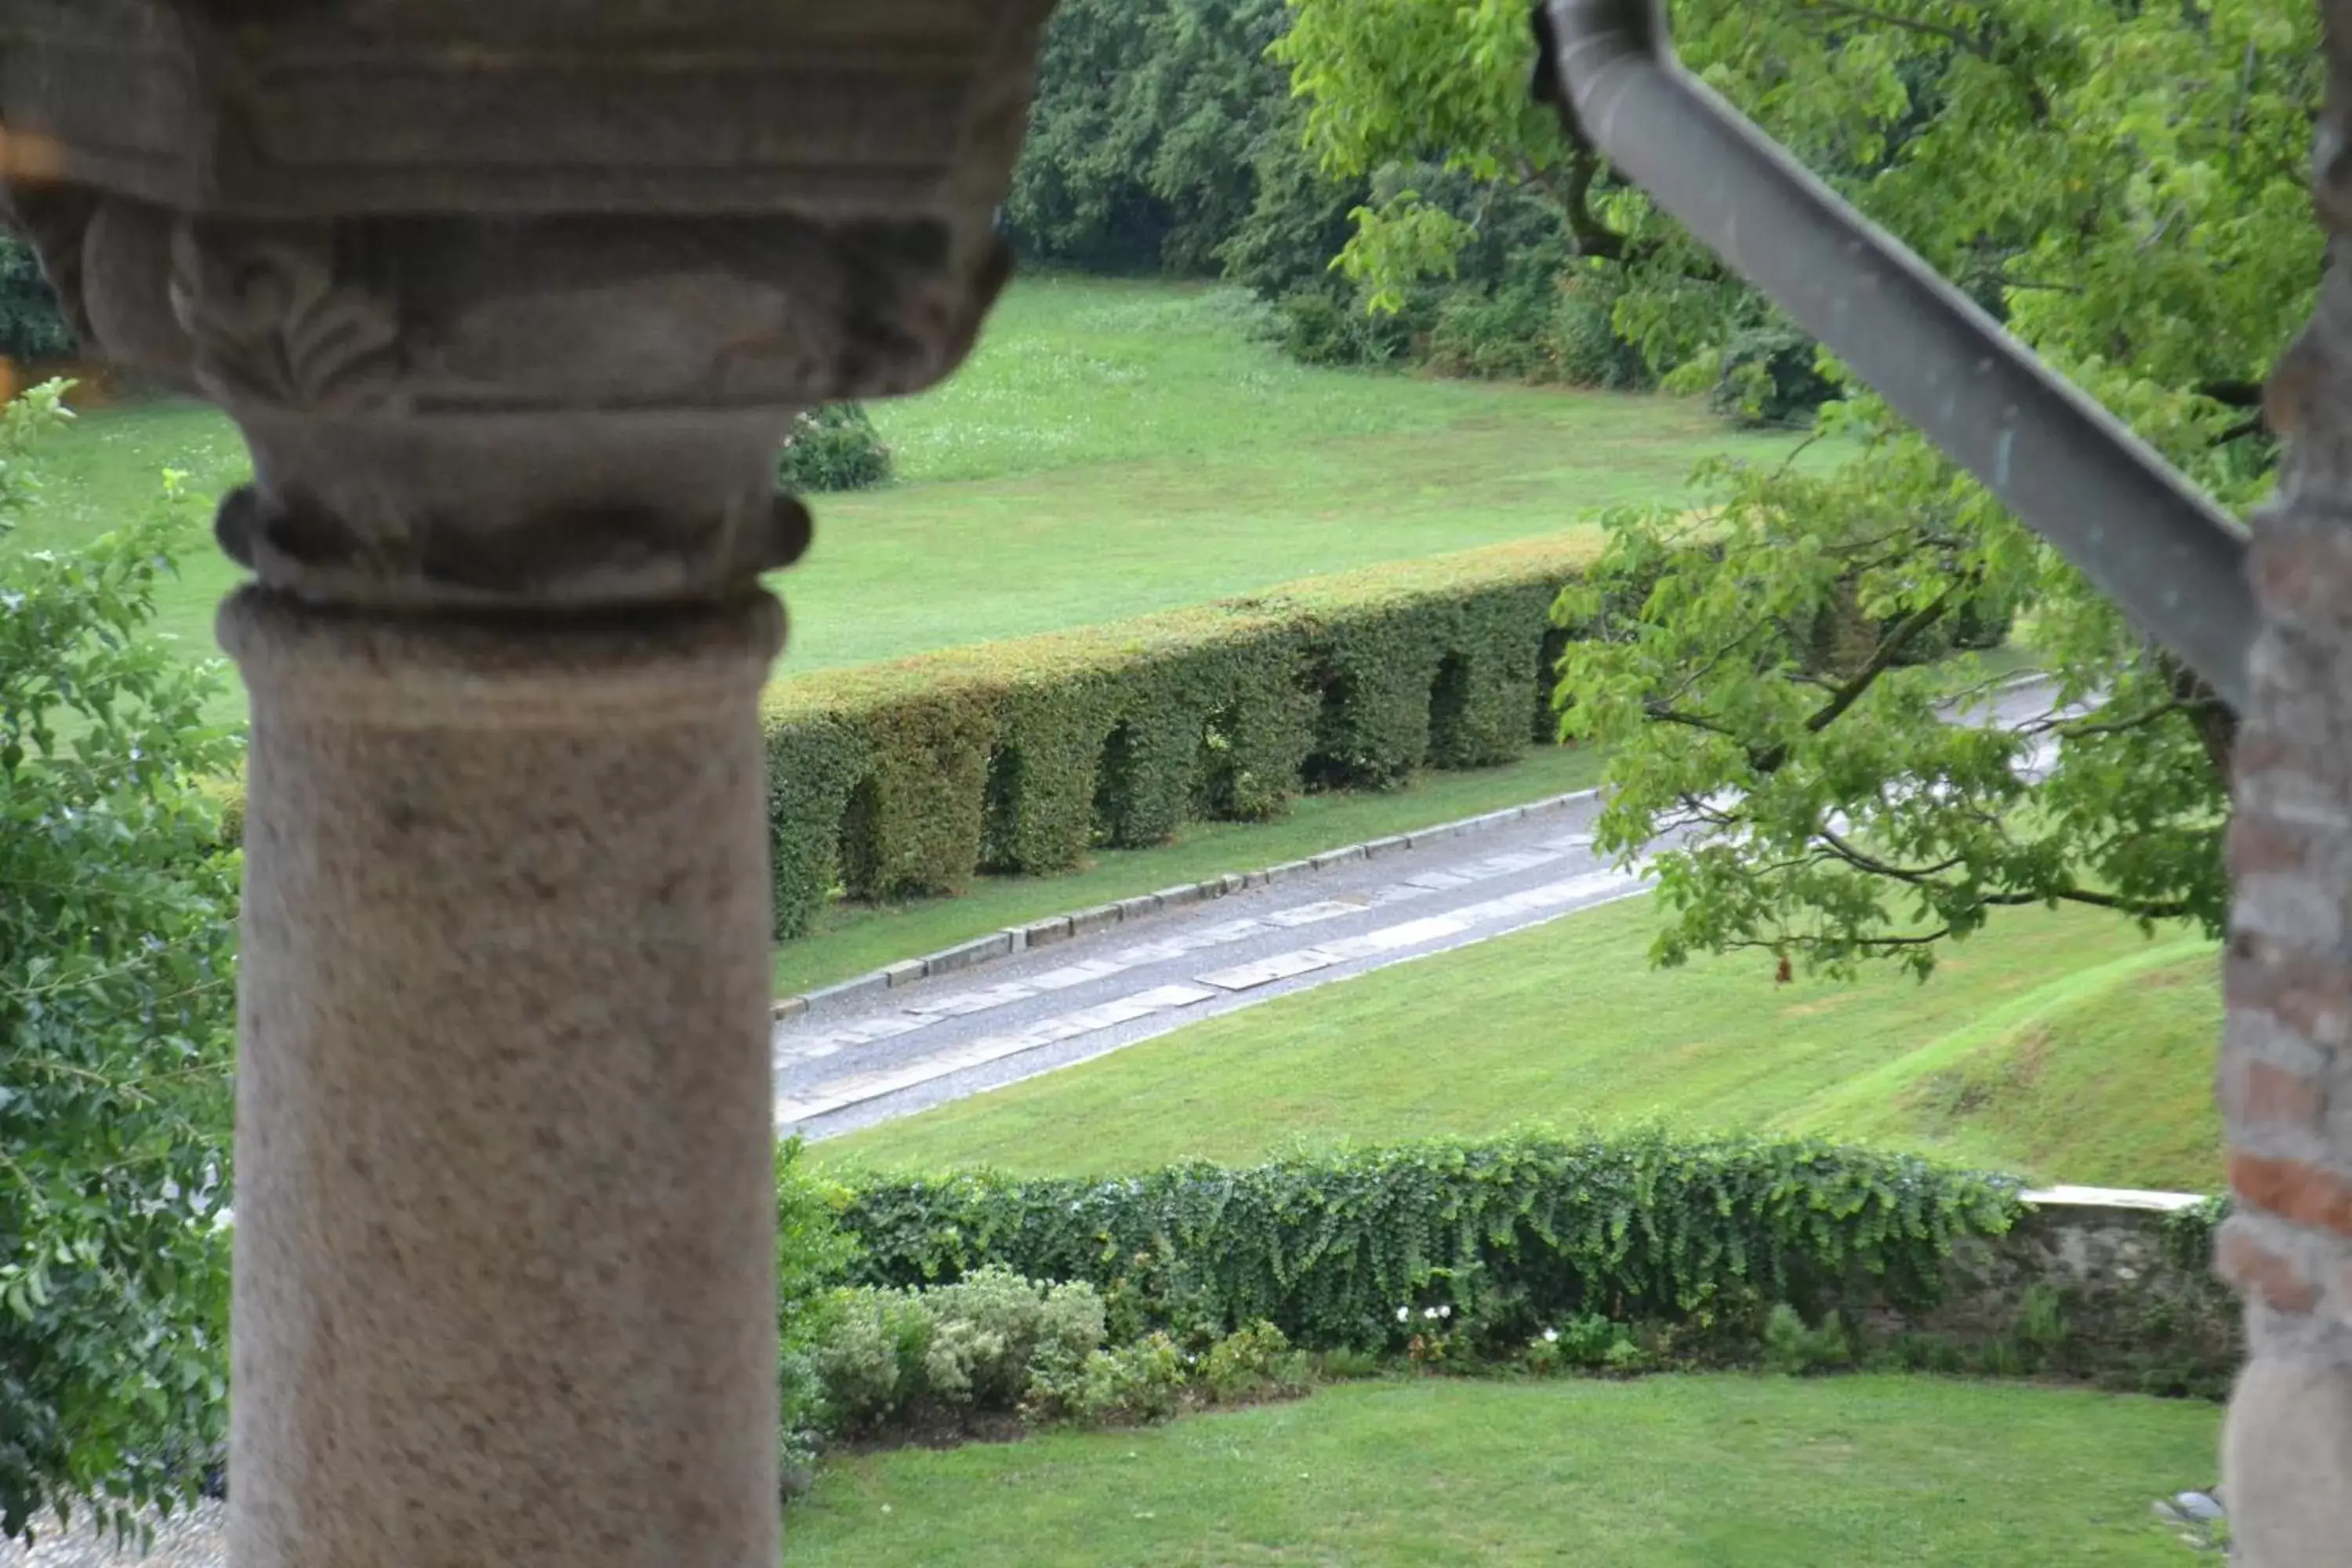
x,y
851,939
1664,1472
2064,1046
1113,449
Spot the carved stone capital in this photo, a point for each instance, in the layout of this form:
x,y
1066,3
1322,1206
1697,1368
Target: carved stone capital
x,y
514,302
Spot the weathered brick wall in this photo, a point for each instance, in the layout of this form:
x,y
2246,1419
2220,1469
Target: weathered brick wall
x,y
2284,1074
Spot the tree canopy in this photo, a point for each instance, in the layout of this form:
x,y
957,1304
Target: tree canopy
x,y
2126,186
117,1008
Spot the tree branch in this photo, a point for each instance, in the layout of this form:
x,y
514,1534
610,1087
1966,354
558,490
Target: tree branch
x,y
2215,723
1592,237
1954,35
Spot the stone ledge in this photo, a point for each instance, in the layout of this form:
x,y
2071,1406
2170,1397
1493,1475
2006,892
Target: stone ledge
x,y
2111,1198
1079,922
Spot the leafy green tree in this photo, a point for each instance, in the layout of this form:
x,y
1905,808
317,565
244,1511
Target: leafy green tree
x,y
2126,185
116,1017
1152,120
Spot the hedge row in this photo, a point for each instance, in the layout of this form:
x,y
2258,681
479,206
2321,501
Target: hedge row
x,y
909,777
1512,1232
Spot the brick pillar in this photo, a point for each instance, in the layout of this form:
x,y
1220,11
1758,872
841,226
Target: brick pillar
x,y
2285,1076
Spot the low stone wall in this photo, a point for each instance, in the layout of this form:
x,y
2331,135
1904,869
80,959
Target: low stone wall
x,y
2113,1286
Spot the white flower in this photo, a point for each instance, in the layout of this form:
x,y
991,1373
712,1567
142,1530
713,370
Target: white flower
x,y
1430,1312
1446,1310
1551,1336
1404,1314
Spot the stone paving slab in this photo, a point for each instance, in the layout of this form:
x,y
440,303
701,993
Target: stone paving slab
x,y
1051,1010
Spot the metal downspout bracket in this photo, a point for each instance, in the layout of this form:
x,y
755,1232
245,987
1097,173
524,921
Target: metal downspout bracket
x,y
2142,533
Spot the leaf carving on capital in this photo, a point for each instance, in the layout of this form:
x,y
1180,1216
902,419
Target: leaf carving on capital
x,y
273,323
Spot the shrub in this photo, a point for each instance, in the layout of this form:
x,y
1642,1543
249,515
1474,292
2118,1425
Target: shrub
x,y
117,1011
1770,375
812,1255
911,777
832,449
1588,1343
1252,1360
889,1355
872,1358
1523,1230
1141,1382
1790,1347
1315,326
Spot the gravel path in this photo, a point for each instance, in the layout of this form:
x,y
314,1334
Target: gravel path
x,y
190,1539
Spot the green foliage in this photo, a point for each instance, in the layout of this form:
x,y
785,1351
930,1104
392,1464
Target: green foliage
x,y
32,328
832,449
986,1344
1159,128
1588,1341
1254,1360
2125,185
1144,1381
1488,1238
117,1010
812,1256
1504,248
1791,1347
871,1363
910,777
1315,327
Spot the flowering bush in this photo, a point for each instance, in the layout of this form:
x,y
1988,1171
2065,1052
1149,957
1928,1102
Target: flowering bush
x,y
834,447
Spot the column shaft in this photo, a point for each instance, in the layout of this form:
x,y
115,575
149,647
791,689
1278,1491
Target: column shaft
x,y
505,1284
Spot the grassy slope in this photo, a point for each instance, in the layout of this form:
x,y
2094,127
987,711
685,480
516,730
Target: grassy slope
x,y
851,939
1113,449
2064,1045
1864,1472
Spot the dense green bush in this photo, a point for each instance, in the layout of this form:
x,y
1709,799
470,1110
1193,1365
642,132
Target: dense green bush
x,y
910,777
996,1344
832,449
1316,326
812,1256
1495,1239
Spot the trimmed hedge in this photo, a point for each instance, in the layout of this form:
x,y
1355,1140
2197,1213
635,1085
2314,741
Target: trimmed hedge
x,y
1513,1233
909,777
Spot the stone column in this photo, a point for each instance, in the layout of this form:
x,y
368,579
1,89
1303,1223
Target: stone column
x,y
2286,1077
513,300
506,1228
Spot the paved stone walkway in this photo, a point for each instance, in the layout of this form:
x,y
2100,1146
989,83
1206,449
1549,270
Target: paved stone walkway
x,y
848,1065
937,1040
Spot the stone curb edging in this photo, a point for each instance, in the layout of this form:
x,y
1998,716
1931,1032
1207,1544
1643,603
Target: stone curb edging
x,y
1080,923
